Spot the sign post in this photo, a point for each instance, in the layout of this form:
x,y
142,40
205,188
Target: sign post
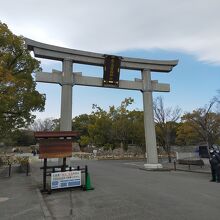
x,y
54,145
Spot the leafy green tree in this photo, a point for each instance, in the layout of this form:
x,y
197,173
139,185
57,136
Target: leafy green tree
x,y
109,129
121,124
80,123
100,131
136,132
24,138
84,141
118,126
18,95
187,135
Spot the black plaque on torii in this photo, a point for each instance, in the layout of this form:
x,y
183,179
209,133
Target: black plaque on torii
x,y
111,71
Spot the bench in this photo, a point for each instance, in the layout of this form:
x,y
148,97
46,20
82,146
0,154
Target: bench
x,y
191,162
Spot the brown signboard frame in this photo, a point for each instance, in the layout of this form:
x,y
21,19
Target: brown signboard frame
x,y
111,71
55,144
55,148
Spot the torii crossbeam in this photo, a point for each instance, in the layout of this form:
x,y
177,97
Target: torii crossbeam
x,y
67,79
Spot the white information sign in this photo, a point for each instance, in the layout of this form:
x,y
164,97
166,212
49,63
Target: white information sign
x,y
65,179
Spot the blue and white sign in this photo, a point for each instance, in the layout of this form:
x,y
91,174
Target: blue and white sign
x,y
65,179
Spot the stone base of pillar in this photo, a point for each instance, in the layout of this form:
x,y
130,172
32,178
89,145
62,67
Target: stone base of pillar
x,y
153,166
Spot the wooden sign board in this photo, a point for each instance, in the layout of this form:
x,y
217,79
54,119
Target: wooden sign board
x,y
55,148
111,71
56,134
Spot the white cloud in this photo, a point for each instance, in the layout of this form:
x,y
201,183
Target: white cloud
x,y
191,26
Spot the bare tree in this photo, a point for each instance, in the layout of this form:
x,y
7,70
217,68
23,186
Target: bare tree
x,y
217,99
205,122
165,119
47,124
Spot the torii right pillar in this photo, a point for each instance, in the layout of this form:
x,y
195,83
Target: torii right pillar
x,y
149,126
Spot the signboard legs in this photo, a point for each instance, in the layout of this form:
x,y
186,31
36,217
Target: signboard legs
x,y
45,175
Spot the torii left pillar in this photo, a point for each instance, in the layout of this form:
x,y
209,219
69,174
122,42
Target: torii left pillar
x,y
66,96
149,125
66,99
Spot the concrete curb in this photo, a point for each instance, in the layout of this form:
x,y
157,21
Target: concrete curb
x,y
193,171
158,169
177,169
47,214
140,167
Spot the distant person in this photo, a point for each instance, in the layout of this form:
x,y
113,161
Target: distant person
x,y
34,152
215,165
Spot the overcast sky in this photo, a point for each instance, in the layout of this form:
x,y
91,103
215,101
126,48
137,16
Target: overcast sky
x,y
191,25
187,29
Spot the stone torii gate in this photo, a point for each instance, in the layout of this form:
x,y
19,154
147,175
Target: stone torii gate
x,y
67,79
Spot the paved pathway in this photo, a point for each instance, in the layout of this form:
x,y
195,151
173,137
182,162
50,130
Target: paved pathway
x,y
18,197
122,191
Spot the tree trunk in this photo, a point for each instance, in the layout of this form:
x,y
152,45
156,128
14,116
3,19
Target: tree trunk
x,y
169,155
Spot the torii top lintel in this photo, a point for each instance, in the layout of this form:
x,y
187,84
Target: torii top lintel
x,y
52,52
